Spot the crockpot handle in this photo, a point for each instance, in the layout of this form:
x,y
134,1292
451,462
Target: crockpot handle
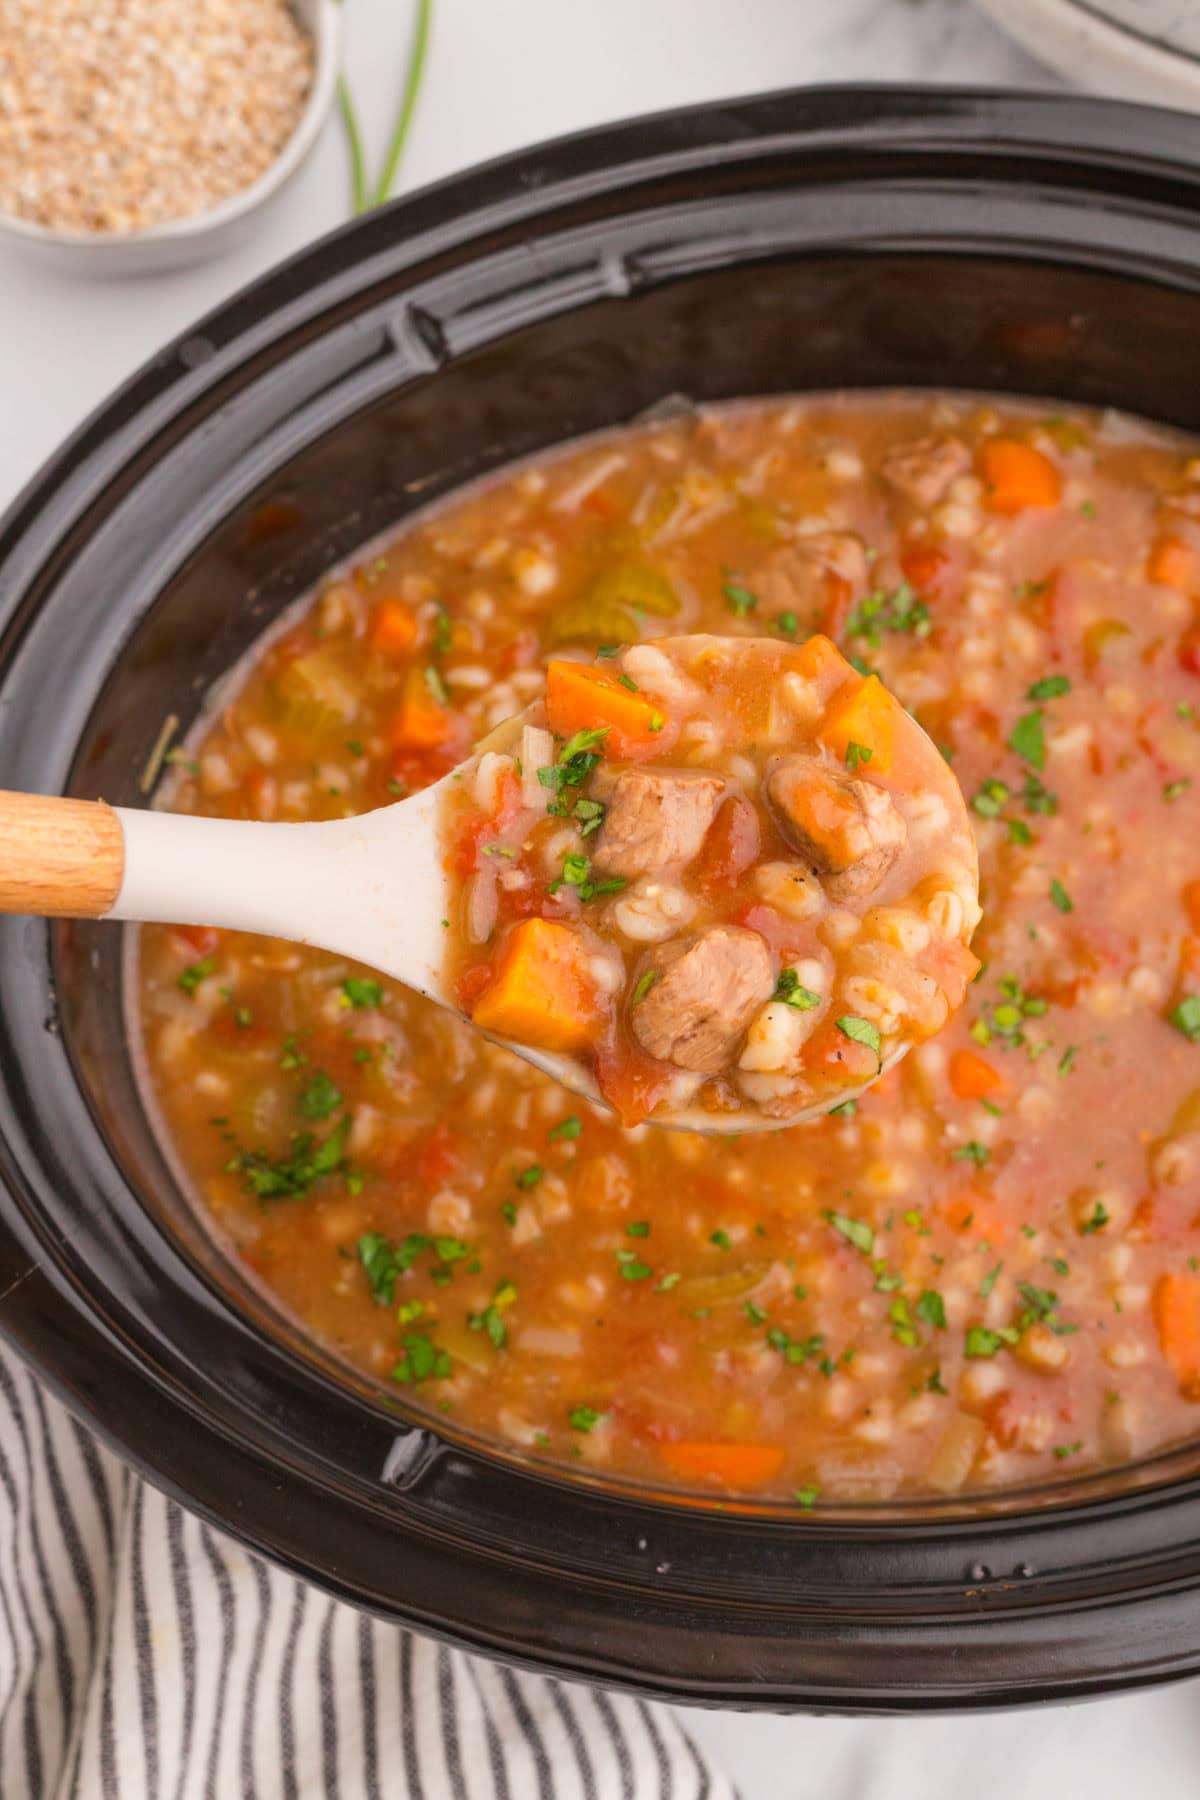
x,y
59,858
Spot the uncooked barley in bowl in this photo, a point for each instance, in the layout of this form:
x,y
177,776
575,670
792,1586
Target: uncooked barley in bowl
x,y
120,115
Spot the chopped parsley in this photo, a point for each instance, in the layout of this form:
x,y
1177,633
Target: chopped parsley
x,y
293,1057
721,1239
572,767
846,1110
491,1319
1060,897
422,1361
632,1267
1028,739
567,1128
974,1152
638,1228
882,612
577,873
1038,798
589,814
903,1329
990,799
786,624
855,1231
195,973
932,1308
528,1178
792,992
861,1031
361,991
1175,789
1096,1220
1064,1450
806,1496
436,686
291,1176
739,599
989,1281
857,755
644,984
320,1097
1186,1017
981,1341
755,1314
508,1212
584,1418
1050,687
795,1350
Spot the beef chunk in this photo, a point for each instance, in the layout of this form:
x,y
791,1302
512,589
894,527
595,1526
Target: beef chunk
x,y
849,831
711,987
830,567
655,817
923,469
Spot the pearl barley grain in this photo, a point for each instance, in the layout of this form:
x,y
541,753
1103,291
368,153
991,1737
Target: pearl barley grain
x,y
118,115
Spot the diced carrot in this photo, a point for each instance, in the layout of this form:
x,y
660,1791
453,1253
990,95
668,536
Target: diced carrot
x,y
543,993
972,1077
819,659
422,722
865,716
1177,1316
1017,476
394,630
730,1465
1191,901
579,698
976,1218
1172,563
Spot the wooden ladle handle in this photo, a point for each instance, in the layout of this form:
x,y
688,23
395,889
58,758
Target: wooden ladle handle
x,y
59,858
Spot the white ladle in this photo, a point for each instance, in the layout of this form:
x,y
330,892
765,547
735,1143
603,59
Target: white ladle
x,y
372,888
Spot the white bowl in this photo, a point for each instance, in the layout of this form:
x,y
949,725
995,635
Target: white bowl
x,y
181,241
1133,49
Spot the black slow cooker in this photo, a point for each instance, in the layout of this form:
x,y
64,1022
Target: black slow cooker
x,y
836,238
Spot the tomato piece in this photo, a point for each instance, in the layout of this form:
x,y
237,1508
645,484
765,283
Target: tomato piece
x,y
203,939
437,1157
631,1082
731,844
931,571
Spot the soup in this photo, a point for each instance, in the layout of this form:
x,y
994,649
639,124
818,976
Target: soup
x,y
725,876
984,1272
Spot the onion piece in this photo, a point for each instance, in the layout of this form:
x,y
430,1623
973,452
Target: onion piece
x,y
537,752
544,1340
483,906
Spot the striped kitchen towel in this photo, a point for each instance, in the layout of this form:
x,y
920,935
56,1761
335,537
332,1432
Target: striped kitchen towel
x,y
144,1656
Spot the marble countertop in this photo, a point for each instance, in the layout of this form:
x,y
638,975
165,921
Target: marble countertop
x,y
501,74
504,73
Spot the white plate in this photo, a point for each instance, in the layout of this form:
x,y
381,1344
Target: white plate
x,y
1136,49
